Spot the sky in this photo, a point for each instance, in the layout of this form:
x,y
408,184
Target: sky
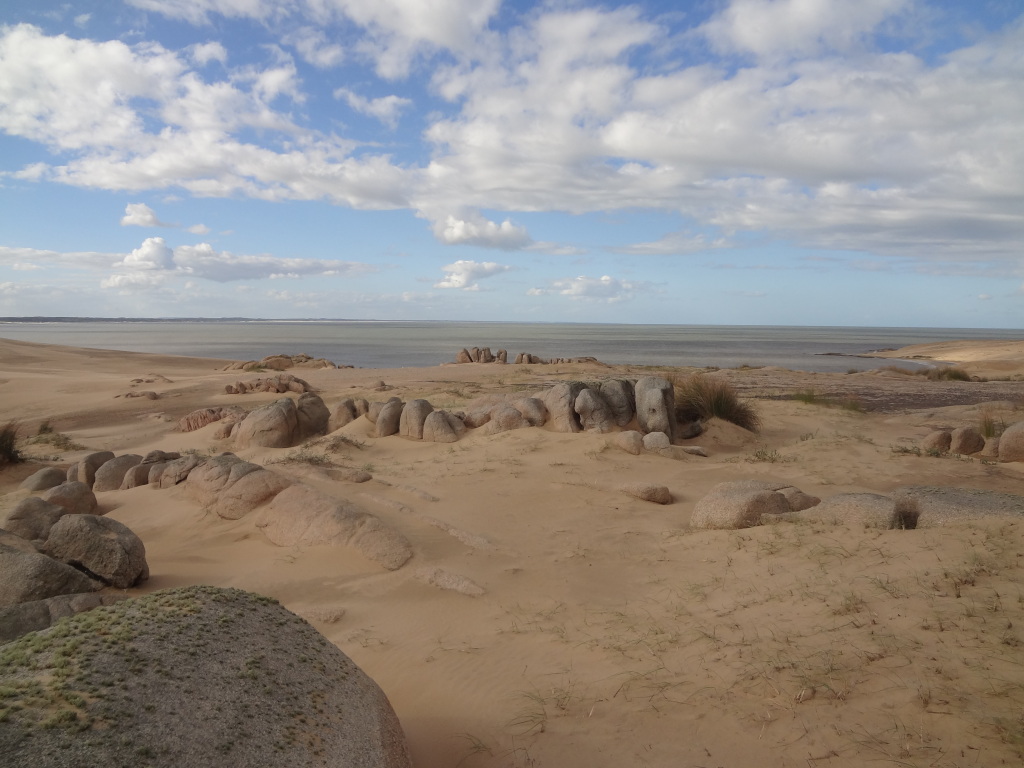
x,y
775,162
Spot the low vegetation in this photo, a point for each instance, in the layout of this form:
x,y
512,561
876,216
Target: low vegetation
x,y
9,453
709,397
942,373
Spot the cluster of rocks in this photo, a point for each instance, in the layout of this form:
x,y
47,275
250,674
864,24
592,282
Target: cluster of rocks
x,y
968,441
283,363
571,406
283,382
484,355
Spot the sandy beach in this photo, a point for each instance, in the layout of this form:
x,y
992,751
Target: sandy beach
x,y
608,632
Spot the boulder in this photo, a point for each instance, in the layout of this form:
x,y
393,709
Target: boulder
x,y
313,416
343,413
28,576
76,497
655,441
45,478
533,410
738,504
110,476
1011,443
502,356
937,441
442,427
486,356
200,677
798,500
594,413
13,540
474,419
505,418
138,475
174,472
390,417
101,547
658,494
991,449
273,426
200,418
630,441
871,510
410,423
560,401
655,405
33,517
965,441
304,516
231,487
18,620
86,470
362,406
618,394
158,457
463,356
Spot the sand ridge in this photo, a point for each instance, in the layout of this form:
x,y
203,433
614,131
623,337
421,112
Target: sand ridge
x,y
609,632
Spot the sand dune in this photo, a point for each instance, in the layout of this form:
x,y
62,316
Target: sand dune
x,y
608,633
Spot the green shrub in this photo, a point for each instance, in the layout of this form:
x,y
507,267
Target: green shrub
x,y
708,397
9,453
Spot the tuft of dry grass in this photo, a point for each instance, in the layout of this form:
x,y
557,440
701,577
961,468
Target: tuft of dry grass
x,y
707,397
9,453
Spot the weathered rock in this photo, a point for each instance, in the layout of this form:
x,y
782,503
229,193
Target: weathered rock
x,y
158,457
655,405
373,411
687,430
199,418
658,494
27,576
13,540
215,678
991,449
474,419
505,418
303,516
362,406
1011,443
594,413
45,478
797,499
533,410
76,497
390,417
101,547
442,427
410,423
630,441
502,356
737,504
966,440
463,356
33,517
273,426
343,413
138,475
871,510
937,441
618,393
18,620
110,476
85,470
231,487
654,441
486,356
174,472
313,416
72,473
560,401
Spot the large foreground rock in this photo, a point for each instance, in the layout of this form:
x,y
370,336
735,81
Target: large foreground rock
x,y
111,474
303,516
1011,443
273,426
202,678
45,478
102,547
28,576
20,619
75,496
33,517
231,487
738,504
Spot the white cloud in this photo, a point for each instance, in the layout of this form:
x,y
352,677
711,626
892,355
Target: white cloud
x,y
134,281
203,53
313,46
199,11
140,215
771,27
386,108
152,254
465,274
476,230
673,243
221,266
605,288
984,297
82,20
198,229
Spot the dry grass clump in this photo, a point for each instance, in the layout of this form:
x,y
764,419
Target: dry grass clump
x,y
9,453
707,397
947,373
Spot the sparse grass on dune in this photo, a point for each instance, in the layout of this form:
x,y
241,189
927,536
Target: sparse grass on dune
x,y
941,373
9,453
709,397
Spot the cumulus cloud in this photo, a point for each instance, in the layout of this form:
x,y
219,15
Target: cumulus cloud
x,y
198,229
203,53
604,289
474,229
314,47
152,254
464,274
386,108
140,215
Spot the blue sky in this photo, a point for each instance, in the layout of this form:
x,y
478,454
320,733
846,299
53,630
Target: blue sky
x,y
785,162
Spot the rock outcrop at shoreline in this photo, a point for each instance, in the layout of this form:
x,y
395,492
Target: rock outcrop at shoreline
x,y
484,355
283,363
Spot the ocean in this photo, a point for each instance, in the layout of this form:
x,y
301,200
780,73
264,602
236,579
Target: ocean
x,y
398,344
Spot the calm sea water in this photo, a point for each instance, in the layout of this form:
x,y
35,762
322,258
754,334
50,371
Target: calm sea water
x,y
369,344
